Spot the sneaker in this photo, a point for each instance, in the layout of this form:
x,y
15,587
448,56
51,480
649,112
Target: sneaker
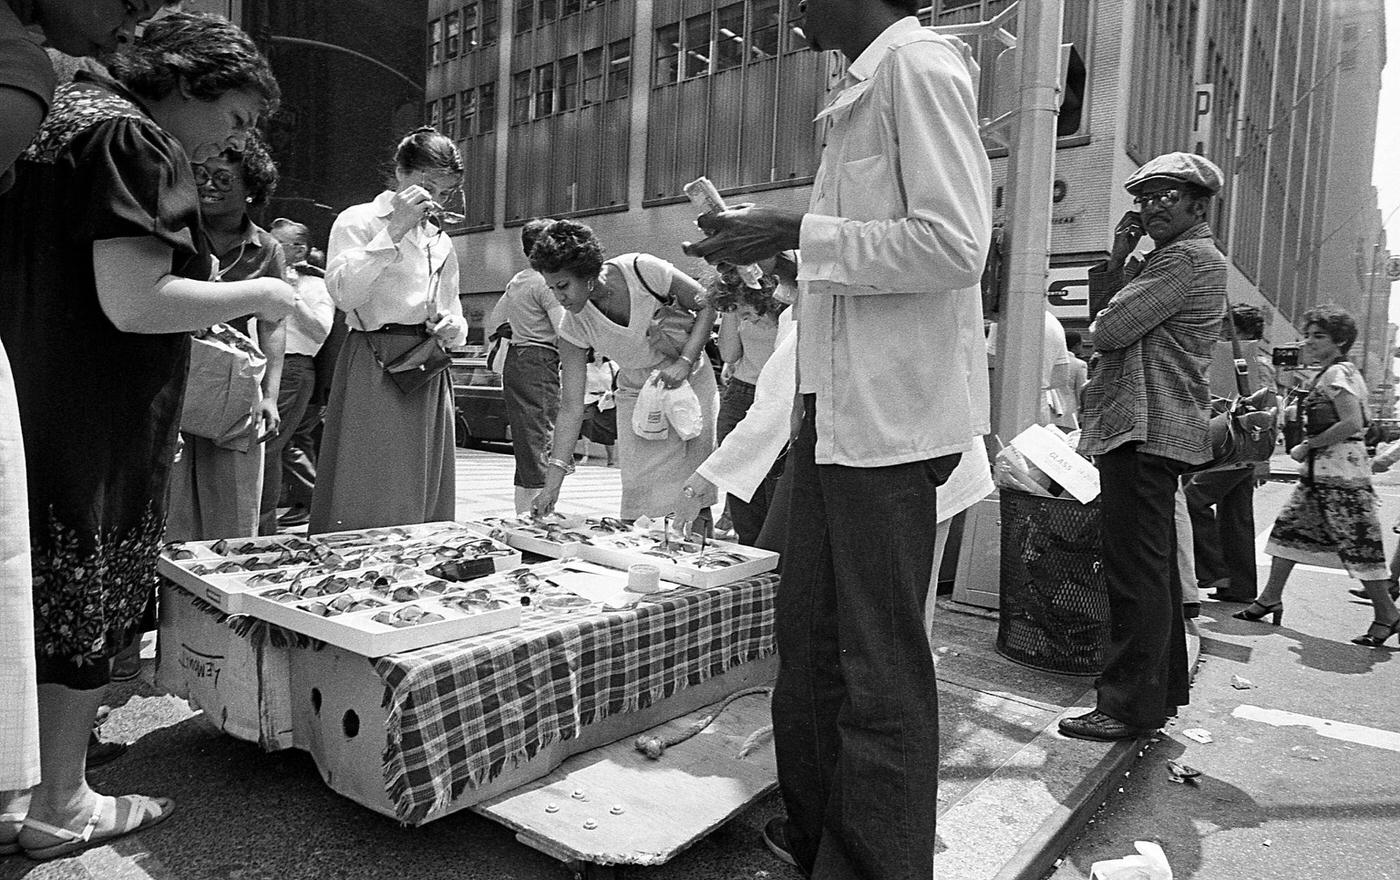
x,y
775,838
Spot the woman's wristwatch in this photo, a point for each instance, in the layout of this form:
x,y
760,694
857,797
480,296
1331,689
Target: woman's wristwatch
x,y
566,466
687,491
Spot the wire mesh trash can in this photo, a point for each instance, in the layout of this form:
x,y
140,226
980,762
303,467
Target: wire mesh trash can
x,y
1054,606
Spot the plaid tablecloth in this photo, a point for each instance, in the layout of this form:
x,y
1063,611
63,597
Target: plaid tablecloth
x,y
460,711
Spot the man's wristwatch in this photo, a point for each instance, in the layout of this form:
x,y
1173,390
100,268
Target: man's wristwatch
x,y
566,466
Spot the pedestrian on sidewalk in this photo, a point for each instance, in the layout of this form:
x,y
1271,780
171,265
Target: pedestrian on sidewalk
x,y
306,329
1222,501
1331,518
1145,420
892,251
530,379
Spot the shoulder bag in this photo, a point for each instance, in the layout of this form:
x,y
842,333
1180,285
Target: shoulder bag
x,y
1244,429
425,361
671,325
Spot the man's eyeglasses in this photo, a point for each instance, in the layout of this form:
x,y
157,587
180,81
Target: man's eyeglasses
x,y
221,179
1166,198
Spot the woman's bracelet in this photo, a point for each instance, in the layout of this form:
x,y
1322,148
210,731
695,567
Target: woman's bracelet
x,y
690,361
566,466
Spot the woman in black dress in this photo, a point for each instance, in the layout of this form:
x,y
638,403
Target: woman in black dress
x,y
102,262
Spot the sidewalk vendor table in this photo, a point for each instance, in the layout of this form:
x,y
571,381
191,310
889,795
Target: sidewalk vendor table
x,y
421,734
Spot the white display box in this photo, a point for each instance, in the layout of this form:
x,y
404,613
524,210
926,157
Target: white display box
x,y
684,562
360,632
551,537
238,547
379,547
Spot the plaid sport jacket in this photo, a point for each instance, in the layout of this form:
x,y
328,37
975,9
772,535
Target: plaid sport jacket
x,y
1153,344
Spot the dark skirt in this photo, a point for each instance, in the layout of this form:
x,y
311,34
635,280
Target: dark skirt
x,y
387,458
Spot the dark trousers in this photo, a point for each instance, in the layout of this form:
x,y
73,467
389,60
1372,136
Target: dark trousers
x,y
293,397
530,382
855,709
1224,537
1144,678
747,517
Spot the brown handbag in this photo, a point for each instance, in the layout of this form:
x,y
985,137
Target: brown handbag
x,y
423,362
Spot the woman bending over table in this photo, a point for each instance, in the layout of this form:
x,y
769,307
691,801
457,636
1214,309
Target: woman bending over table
x,y
645,315
103,264
387,453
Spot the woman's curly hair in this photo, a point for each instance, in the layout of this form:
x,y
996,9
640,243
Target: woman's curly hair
x,y
259,171
726,291
1335,321
566,246
207,54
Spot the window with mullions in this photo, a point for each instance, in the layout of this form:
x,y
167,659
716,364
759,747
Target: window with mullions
x,y
570,7
729,37
568,83
666,68
619,69
454,34
549,11
520,98
793,39
592,77
486,108
696,48
490,21
524,15
469,107
471,33
449,117
435,41
764,28
431,114
544,90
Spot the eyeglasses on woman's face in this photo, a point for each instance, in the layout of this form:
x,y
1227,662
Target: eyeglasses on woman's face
x,y
221,180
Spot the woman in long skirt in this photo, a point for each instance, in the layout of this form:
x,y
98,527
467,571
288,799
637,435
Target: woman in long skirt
x,y
646,315
1330,519
387,453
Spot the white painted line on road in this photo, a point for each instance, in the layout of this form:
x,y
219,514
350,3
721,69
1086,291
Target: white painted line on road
x,y
1354,733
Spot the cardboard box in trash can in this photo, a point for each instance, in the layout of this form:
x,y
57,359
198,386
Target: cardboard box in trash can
x,y
241,682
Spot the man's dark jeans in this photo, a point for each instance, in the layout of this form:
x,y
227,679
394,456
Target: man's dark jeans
x,y
1145,677
855,710
1224,538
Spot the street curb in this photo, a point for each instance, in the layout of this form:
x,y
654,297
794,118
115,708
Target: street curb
x,y
1037,857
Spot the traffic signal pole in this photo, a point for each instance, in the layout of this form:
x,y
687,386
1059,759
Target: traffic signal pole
x,y
1029,192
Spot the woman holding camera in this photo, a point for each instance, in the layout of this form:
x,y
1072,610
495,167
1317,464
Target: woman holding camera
x,y
646,315
1330,520
387,449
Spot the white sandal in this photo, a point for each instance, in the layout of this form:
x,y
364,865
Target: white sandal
x,y
143,812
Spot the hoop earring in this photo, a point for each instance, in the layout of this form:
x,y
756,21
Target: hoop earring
x,y
591,282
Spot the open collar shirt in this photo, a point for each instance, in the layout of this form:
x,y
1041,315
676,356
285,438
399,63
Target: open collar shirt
x,y
1153,344
893,245
376,281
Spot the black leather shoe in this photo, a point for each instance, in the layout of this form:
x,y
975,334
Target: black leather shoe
x,y
1227,596
1097,726
775,838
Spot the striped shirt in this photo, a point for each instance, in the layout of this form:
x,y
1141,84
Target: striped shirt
x,y
1153,344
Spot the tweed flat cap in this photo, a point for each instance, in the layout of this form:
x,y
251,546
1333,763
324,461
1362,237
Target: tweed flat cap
x,y
1177,168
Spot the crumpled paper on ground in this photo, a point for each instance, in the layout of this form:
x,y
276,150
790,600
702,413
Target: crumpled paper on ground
x,y
1149,864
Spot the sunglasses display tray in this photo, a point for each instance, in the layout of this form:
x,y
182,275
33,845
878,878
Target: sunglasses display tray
x,y
273,544
681,561
374,612
554,536
457,552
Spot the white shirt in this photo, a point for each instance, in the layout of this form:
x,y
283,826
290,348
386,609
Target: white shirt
x,y
893,248
310,321
741,462
377,282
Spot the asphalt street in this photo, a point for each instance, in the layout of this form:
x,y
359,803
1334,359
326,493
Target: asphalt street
x,y
1301,778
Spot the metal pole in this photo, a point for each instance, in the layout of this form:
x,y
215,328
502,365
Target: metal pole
x,y
1029,190
332,47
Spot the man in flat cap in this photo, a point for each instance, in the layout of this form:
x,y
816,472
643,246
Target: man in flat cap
x,y
1146,410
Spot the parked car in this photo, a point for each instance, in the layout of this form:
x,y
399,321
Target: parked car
x,y
481,410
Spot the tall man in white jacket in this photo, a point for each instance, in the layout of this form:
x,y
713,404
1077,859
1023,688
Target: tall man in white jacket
x,y
889,319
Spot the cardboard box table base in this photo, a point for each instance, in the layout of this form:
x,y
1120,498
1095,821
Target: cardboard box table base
x,y
339,717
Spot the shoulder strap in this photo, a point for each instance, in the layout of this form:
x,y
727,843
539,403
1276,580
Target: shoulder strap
x,y
1241,363
637,269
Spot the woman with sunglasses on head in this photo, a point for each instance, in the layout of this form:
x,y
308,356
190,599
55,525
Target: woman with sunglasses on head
x,y
387,451
103,265
216,485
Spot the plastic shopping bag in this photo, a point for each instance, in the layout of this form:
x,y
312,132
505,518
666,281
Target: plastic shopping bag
x,y
1149,864
683,411
649,417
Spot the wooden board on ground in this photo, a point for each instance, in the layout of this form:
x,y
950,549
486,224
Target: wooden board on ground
x,y
615,806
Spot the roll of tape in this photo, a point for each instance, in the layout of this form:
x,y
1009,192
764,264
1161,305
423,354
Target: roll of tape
x,y
643,578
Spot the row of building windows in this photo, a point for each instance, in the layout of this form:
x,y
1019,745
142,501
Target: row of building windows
x,y
460,31
723,39
470,114
529,13
570,82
